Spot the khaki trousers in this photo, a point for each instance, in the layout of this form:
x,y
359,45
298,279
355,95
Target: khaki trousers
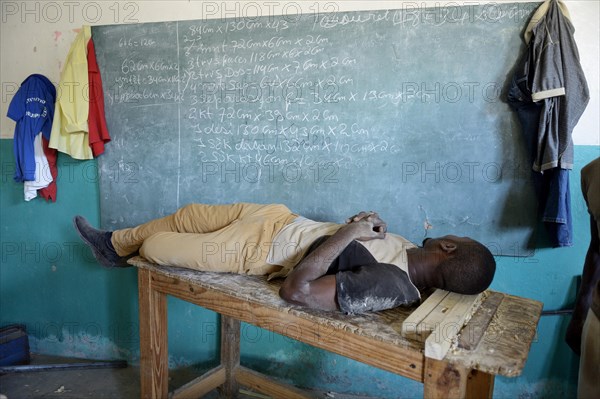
x,y
232,238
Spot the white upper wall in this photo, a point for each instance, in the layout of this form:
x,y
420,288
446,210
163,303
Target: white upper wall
x,y
35,36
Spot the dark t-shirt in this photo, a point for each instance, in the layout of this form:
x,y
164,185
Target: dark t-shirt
x,y
364,284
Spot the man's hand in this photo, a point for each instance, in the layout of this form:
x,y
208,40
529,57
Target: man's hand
x,y
366,226
360,216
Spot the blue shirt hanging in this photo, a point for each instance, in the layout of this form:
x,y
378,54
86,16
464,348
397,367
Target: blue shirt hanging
x,y
32,108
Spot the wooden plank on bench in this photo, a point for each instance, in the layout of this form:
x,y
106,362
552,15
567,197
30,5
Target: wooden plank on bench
x,y
505,344
439,319
413,326
456,311
471,336
434,311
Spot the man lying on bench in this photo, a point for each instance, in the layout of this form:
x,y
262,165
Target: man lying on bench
x,y
355,267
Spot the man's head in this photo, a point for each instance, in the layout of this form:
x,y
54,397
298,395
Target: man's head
x,y
465,266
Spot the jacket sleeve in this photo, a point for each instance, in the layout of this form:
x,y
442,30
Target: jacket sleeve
x,y
547,78
16,109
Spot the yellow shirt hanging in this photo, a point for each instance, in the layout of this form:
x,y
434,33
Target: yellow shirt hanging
x,y
70,125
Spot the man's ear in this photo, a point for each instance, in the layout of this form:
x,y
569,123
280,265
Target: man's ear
x,y
447,246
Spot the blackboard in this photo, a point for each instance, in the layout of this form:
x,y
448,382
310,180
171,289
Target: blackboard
x,y
399,111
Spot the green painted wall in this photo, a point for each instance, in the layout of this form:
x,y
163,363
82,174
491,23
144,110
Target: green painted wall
x,y
71,306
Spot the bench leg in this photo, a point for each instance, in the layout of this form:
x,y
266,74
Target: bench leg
x,y
480,385
444,380
230,354
154,364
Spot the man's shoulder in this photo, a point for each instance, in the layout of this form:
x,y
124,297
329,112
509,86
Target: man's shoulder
x,y
392,250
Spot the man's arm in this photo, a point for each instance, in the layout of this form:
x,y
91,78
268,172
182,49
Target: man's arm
x,y
307,284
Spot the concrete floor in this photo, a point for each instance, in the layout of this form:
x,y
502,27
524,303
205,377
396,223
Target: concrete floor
x,y
67,384
100,383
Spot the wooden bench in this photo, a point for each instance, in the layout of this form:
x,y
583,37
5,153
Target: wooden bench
x,y
493,342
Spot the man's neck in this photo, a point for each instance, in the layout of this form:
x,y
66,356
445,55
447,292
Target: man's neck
x,y
420,268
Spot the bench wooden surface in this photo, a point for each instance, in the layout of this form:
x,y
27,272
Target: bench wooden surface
x,y
495,341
